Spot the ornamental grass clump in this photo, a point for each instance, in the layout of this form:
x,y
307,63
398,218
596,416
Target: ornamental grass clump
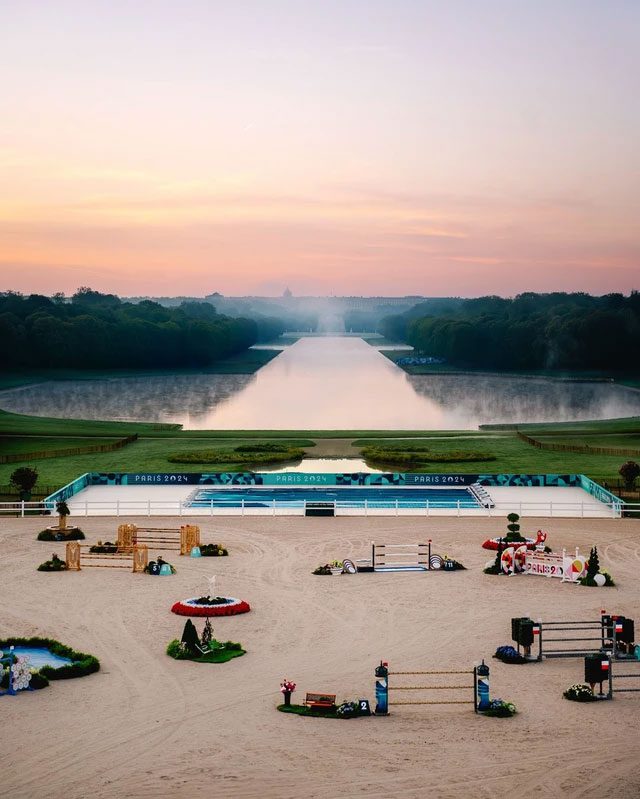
x,y
579,693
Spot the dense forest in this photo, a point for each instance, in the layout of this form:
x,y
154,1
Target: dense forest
x,y
98,331
532,331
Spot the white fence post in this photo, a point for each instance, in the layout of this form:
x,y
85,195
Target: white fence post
x,y
86,508
427,507
274,506
458,502
396,507
22,508
242,506
148,507
366,508
117,507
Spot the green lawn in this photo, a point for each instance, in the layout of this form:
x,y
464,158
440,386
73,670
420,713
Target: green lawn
x,y
14,445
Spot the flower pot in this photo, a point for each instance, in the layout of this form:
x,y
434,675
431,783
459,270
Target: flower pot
x,y
336,570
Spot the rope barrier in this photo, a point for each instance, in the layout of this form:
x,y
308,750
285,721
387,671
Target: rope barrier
x,y
464,671
436,702
429,687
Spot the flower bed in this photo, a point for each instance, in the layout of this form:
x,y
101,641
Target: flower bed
x,y
55,534
196,607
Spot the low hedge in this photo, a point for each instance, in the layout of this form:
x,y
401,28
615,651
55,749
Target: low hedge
x,y
82,665
279,454
418,455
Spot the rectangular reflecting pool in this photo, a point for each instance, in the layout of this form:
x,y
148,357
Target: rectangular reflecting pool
x,y
252,497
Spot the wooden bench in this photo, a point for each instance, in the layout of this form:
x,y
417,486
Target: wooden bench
x,y
320,700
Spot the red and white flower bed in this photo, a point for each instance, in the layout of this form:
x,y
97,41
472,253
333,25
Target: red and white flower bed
x,y
191,607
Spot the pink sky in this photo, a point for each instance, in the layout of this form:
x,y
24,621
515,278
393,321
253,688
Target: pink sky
x,y
336,148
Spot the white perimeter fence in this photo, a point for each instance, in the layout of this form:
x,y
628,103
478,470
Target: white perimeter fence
x,y
151,507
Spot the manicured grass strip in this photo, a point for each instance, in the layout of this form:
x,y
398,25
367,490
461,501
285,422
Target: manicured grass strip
x,y
221,656
303,710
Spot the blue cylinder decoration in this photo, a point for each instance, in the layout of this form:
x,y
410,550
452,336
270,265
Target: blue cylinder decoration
x,y
482,687
195,552
382,690
165,569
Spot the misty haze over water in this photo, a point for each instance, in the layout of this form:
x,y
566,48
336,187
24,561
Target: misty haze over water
x,y
327,383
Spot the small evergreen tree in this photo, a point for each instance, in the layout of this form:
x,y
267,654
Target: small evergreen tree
x,y
207,633
190,637
513,527
593,564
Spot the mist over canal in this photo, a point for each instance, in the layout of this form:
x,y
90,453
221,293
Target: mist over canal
x,y
326,383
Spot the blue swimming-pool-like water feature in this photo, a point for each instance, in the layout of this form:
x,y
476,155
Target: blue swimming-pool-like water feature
x,y
251,497
40,656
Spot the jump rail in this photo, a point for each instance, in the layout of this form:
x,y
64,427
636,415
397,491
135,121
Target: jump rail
x,y
480,687
135,561
182,539
602,669
610,632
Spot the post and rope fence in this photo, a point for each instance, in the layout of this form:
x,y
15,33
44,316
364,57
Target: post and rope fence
x,y
480,687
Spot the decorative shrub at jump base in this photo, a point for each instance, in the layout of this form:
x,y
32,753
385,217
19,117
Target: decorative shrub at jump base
x,y
104,549
335,567
81,666
53,565
595,577
72,534
580,693
508,654
500,708
213,550
205,650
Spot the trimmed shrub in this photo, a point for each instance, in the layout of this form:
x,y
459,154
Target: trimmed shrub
x,y
61,535
53,565
213,550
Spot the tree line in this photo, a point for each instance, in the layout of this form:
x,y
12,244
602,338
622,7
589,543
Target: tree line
x,y
531,331
99,331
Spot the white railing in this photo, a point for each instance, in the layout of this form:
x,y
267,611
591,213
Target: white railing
x,y
156,507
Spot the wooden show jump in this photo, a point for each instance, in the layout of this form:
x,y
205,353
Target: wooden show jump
x,y
181,539
79,556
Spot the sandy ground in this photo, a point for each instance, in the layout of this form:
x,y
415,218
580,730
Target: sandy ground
x,y
149,726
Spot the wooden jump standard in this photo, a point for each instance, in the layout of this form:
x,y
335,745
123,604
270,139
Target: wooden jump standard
x,y
136,560
181,539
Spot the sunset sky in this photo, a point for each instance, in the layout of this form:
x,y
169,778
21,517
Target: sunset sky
x,y
464,147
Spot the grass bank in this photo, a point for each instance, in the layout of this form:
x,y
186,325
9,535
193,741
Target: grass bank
x,y
245,363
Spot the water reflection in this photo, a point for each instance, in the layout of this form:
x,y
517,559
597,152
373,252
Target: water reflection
x,y
326,383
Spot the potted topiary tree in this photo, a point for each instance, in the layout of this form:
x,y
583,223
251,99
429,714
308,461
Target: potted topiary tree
x,y
62,509
23,480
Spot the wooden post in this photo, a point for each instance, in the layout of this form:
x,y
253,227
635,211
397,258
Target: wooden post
x,y
140,558
72,556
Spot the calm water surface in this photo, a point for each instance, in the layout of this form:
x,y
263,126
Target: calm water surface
x,y
326,384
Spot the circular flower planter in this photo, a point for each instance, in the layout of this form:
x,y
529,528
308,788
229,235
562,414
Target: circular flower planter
x,y
231,607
